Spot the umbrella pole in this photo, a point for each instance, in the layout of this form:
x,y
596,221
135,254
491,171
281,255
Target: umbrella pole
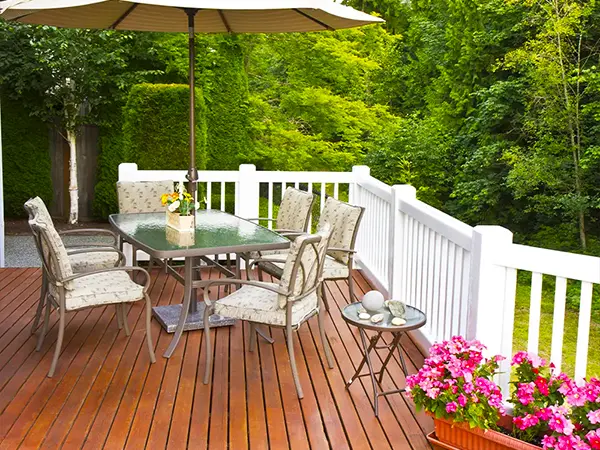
x,y
192,174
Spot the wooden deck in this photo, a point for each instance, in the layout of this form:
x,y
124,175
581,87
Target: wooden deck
x,y
105,394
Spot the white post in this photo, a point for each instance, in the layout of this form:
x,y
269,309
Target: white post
x,y
1,197
247,199
492,296
128,172
360,173
398,239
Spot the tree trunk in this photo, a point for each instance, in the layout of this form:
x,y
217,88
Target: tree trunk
x,y
73,187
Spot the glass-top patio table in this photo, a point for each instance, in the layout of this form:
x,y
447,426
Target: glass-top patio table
x,y
216,233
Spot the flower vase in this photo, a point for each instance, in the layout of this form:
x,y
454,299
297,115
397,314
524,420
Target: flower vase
x,y
460,436
179,222
181,238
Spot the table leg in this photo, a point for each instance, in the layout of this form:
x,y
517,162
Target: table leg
x,y
193,276
392,347
363,338
374,341
188,293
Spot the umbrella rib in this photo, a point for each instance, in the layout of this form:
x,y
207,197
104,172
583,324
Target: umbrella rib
x,y
309,17
222,15
123,16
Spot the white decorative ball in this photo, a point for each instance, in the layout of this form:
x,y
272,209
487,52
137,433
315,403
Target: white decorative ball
x,y
373,301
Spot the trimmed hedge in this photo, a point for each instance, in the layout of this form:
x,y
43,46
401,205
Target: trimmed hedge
x,y
156,130
25,158
225,85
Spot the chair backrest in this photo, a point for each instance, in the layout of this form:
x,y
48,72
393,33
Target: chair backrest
x,y
142,196
304,266
52,250
294,210
36,208
344,220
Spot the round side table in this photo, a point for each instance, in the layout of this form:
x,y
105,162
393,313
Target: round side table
x,y
414,319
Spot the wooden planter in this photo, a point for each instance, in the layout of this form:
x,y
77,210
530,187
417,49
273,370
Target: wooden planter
x,y
179,222
460,436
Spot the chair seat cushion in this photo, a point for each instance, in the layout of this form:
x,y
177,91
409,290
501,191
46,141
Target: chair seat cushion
x,y
100,289
88,262
259,305
332,270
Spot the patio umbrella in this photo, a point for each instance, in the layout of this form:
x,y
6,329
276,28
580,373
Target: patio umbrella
x,y
207,16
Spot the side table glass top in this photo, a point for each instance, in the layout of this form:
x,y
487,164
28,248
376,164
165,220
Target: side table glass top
x,y
216,232
414,318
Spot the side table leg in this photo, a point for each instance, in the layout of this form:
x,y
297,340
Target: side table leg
x,y
371,372
395,343
374,341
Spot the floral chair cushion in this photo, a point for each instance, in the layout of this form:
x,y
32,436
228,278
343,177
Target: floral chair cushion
x,y
332,269
294,210
260,305
37,209
142,196
54,251
306,260
88,262
344,219
100,289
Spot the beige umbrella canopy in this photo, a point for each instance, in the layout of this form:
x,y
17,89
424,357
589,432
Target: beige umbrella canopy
x,y
206,16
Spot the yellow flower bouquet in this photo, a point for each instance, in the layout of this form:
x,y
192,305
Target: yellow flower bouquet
x,y
180,202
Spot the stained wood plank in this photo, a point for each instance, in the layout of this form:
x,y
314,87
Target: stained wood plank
x,y
106,394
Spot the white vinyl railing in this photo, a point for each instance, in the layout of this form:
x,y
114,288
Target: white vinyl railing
x,y
463,278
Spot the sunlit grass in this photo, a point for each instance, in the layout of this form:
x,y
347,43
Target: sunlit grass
x,y
570,331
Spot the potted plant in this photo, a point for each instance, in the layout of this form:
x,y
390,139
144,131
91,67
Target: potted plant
x,y
180,208
550,411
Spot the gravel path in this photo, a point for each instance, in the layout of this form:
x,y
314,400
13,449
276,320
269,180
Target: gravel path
x,y
20,251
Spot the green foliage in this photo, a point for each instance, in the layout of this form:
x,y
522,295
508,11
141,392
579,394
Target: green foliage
x,y
25,162
156,127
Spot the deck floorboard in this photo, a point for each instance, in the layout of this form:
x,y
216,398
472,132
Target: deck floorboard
x,y
106,394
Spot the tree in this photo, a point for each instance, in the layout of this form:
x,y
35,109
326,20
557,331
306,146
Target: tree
x,y
63,76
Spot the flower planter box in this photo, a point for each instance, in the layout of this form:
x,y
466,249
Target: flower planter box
x,y
179,222
460,436
180,238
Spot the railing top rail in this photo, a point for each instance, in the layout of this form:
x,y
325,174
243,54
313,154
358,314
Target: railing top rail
x,y
445,225
305,177
379,188
560,264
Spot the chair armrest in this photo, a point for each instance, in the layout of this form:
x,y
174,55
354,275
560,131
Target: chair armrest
x,y
120,260
290,233
336,249
259,284
111,269
257,261
91,230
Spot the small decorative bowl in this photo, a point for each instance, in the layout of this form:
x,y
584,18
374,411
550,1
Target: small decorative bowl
x,y
397,308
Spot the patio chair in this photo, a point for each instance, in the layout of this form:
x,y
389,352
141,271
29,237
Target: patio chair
x,y
292,219
345,221
82,258
142,197
287,304
68,291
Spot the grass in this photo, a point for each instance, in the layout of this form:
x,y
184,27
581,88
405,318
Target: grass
x,y
570,333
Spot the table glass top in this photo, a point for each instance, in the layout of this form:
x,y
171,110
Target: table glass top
x,y
414,318
214,230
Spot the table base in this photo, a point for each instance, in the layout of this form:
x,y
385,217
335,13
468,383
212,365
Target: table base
x,y
376,381
168,317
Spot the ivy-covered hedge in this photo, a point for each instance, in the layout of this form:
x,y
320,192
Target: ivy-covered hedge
x,y
156,130
25,158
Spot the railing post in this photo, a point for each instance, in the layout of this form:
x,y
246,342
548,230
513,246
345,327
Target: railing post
x,y
397,230
360,172
128,172
492,296
247,198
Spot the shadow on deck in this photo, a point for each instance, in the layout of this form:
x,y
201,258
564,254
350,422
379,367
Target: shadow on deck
x,y
106,394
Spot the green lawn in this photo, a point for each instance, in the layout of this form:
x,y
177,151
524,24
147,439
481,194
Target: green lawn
x,y
570,335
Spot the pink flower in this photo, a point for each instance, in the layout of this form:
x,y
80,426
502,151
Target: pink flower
x,y
462,400
576,397
526,421
525,393
544,414
451,407
542,385
519,358
593,438
594,416
561,424
548,442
